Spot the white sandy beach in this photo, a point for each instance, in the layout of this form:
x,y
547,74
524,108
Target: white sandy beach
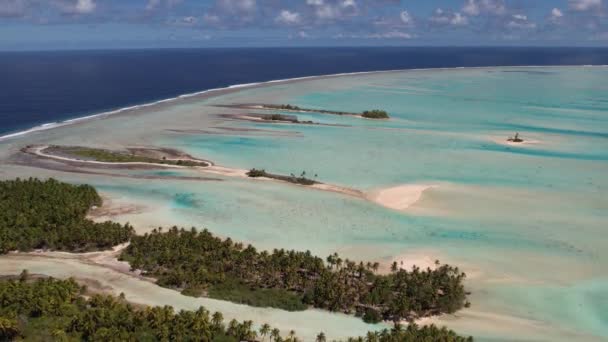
x,y
399,197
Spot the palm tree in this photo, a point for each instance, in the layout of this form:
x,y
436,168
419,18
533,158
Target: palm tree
x,y
372,336
264,330
321,337
275,334
292,335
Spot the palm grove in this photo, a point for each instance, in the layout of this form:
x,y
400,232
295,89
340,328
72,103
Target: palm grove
x,y
52,215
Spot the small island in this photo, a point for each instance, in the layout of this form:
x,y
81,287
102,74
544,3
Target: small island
x,y
284,118
515,139
301,180
368,114
132,155
375,114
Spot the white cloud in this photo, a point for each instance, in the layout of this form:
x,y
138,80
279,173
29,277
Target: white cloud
x,y
348,3
520,21
327,12
442,17
183,21
154,4
85,6
383,35
79,7
287,17
333,9
391,35
406,18
477,7
585,5
459,19
556,13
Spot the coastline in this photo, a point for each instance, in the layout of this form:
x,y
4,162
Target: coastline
x,y
209,93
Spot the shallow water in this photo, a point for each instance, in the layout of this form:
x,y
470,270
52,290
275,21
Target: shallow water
x,y
526,222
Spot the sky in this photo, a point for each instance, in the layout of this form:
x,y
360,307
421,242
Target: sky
x,y
90,24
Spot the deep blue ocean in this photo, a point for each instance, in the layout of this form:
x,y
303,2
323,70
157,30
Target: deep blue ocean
x,y
45,87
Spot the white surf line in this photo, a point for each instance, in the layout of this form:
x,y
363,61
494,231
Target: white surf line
x,y
48,126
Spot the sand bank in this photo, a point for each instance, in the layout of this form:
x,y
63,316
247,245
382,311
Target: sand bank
x,y
399,197
525,143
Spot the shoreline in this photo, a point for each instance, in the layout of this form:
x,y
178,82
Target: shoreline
x,y
209,93
400,197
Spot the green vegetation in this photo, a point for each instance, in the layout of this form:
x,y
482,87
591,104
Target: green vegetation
x,y
280,117
235,291
284,106
375,114
284,118
412,333
299,109
302,180
56,310
516,138
108,156
184,259
52,215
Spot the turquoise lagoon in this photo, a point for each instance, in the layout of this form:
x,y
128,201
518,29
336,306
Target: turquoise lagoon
x,y
526,222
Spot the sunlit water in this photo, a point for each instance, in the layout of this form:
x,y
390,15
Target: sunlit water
x,y
526,222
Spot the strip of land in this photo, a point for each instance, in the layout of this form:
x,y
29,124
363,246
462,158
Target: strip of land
x,y
397,198
368,114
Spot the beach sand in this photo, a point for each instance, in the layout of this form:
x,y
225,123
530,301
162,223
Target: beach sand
x,y
399,197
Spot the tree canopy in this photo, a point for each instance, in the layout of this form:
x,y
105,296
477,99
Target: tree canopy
x,y
52,215
47,309
202,264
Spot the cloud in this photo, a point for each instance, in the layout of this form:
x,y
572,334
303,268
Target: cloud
x,y
152,5
556,16
333,9
520,21
584,5
288,18
299,35
84,6
381,35
391,35
406,18
478,7
556,13
447,18
76,6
